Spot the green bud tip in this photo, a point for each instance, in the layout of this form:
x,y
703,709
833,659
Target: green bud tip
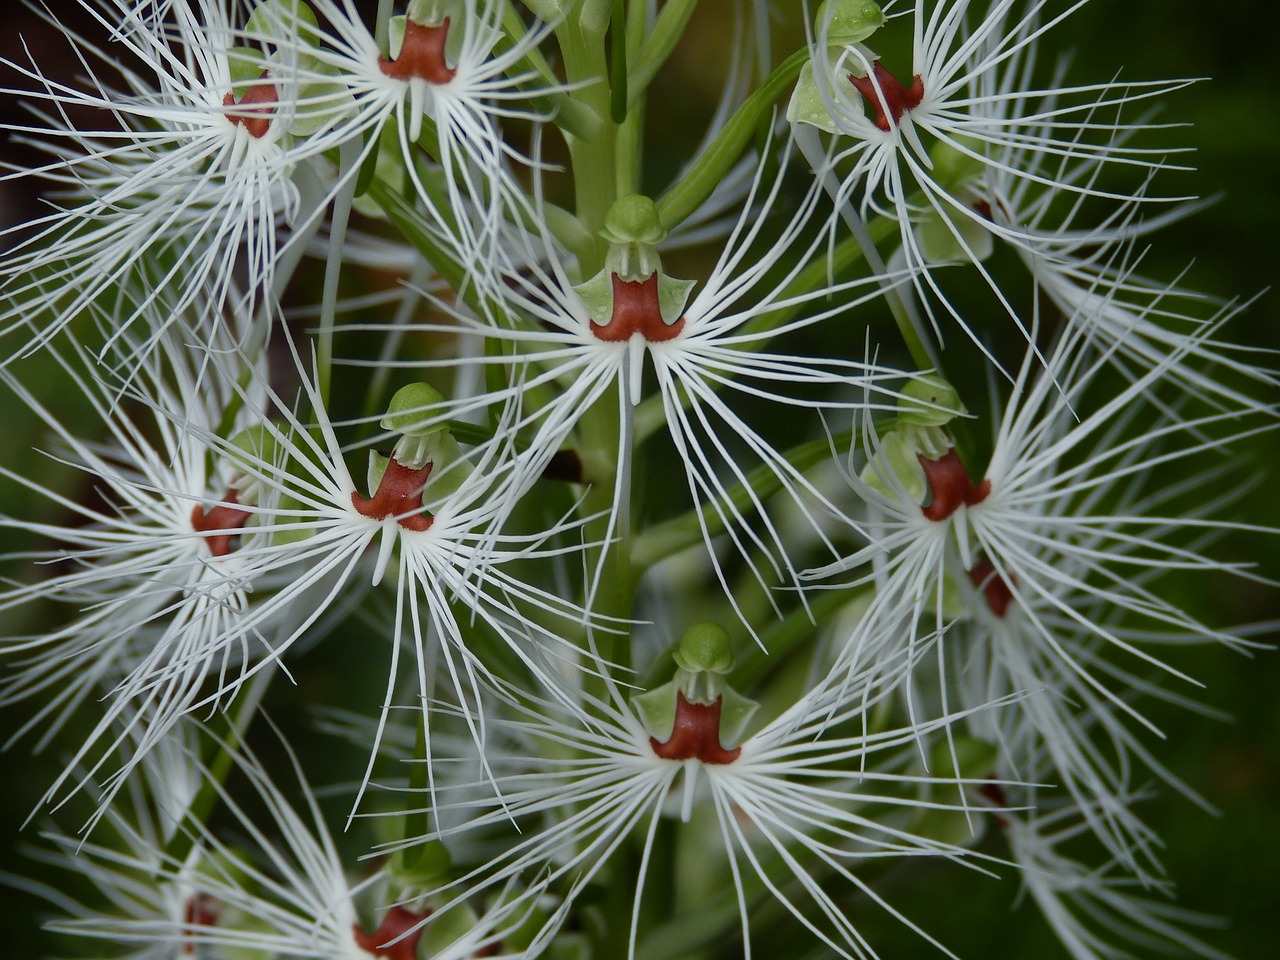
x,y
705,648
849,21
634,219
929,401
411,410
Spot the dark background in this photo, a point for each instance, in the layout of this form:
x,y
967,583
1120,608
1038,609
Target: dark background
x,y
1227,865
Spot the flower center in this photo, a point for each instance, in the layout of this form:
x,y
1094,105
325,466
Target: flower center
x,y
890,95
225,517
950,486
993,587
397,922
696,734
636,309
421,55
254,108
399,495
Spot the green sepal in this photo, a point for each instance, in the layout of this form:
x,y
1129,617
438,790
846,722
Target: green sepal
x,y
851,21
967,758
898,459
939,243
955,170
423,865
446,929
245,64
225,867
269,13
545,10
736,715
596,294
807,104
334,94
255,445
245,924
396,28
378,464
570,946
278,21
657,711
431,13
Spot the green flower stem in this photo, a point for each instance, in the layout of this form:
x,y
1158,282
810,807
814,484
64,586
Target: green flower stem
x,y
904,311
405,217
618,63
784,637
380,379
602,432
227,732
679,203
630,151
670,537
351,159
847,254
594,164
586,69
668,28
568,114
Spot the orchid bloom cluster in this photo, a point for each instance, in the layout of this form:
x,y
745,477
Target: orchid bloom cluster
x,y
689,552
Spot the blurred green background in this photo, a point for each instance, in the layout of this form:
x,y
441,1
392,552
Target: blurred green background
x,y
1227,865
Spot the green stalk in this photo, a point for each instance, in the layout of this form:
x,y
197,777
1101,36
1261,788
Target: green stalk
x,y
342,202
783,637
669,538
679,203
668,28
228,733
593,160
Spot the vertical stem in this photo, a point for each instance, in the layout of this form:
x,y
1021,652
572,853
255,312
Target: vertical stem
x,y
904,313
350,159
593,160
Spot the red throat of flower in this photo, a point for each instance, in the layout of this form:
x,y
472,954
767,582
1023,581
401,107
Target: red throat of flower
x,y
993,587
201,911
892,94
950,486
397,922
696,734
226,517
399,495
253,110
636,309
421,55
